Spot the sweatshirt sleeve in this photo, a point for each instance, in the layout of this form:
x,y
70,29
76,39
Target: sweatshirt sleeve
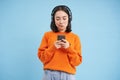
x,y
45,53
74,53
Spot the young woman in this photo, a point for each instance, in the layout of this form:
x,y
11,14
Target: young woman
x,y
60,49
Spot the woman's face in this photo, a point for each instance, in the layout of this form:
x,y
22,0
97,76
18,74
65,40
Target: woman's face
x,y
61,20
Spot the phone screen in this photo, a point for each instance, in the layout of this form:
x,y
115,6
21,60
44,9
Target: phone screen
x,y
60,37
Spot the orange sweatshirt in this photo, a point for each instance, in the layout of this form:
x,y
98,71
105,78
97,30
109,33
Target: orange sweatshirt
x,y
60,59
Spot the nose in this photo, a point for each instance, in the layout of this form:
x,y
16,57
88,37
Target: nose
x,y
61,21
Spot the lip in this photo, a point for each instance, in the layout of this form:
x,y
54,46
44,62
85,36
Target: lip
x,y
61,25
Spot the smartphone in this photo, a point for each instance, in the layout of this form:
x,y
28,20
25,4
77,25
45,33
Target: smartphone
x,y
60,37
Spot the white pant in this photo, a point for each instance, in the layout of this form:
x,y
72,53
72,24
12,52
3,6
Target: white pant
x,y
57,75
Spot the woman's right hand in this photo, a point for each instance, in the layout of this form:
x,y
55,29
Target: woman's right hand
x,y
57,44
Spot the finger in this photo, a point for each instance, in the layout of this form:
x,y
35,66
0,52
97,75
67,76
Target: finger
x,y
63,40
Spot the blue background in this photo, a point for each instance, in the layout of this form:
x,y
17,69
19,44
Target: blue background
x,y
23,23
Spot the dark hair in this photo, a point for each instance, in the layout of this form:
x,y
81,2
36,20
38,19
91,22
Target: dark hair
x,y
66,10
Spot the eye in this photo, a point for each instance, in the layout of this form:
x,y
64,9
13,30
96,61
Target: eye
x,y
64,18
57,19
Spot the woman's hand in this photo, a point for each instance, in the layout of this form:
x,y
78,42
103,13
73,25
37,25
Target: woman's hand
x,y
57,44
62,44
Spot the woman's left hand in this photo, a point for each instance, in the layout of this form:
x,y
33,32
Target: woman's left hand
x,y
64,43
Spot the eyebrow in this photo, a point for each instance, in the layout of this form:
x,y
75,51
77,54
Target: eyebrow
x,y
59,17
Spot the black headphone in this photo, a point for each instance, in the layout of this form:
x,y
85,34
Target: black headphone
x,y
62,6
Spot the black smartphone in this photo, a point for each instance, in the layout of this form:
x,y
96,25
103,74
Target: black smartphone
x,y
60,37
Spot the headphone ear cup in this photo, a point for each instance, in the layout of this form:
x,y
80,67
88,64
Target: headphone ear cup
x,y
52,14
70,18
51,18
70,13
